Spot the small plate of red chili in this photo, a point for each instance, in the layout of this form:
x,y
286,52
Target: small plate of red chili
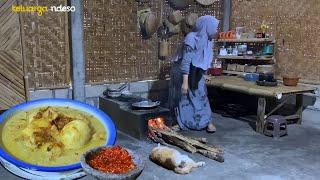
x,y
112,162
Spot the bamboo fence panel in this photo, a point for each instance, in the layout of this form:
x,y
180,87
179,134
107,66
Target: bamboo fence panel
x,y
114,49
295,24
45,43
11,64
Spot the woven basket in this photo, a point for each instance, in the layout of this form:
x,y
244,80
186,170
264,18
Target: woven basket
x,y
232,67
240,68
250,69
290,81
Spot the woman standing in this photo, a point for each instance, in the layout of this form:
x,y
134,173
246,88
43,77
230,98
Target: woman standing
x,y
188,93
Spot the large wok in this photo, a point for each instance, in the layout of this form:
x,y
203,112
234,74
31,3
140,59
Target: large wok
x,y
145,105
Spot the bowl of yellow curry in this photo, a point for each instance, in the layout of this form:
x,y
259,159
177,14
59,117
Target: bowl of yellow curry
x,y
51,134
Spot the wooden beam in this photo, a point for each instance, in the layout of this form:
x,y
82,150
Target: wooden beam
x,y
299,105
291,117
260,114
226,15
276,108
192,145
78,74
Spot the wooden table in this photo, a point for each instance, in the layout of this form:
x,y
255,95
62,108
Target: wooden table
x,y
238,84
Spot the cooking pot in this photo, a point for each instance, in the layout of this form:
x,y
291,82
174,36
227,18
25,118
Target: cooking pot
x,y
114,92
269,77
265,69
267,83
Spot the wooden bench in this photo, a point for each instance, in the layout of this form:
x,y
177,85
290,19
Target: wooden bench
x,y
238,84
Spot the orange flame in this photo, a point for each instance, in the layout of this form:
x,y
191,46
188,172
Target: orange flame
x,y
157,123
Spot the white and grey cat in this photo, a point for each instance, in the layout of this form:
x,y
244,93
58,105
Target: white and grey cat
x,y
173,160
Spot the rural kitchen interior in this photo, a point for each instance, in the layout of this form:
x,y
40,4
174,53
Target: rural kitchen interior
x,y
159,89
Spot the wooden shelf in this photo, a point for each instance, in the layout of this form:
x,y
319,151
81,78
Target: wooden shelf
x,y
260,58
251,40
233,72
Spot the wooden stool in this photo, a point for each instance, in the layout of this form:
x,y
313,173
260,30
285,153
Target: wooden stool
x,y
275,126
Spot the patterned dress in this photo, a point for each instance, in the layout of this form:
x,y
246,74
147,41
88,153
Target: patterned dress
x,y
192,110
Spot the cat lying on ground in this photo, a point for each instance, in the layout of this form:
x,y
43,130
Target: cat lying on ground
x,y
173,160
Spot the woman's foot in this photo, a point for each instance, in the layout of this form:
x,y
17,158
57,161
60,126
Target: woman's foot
x,y
211,128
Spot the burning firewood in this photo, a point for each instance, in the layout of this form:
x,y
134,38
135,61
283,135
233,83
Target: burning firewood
x,y
160,133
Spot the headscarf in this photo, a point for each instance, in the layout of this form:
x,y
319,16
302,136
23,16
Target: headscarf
x,y
200,40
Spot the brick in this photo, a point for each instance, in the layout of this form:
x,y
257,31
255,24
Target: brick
x,y
41,94
63,93
141,86
95,90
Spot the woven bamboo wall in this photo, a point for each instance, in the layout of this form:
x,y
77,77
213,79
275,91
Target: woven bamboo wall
x,y
114,48
296,26
46,45
11,63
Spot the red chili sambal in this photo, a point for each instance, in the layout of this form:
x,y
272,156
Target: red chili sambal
x,y
115,160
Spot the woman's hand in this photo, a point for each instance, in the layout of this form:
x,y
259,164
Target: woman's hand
x,y
185,85
185,88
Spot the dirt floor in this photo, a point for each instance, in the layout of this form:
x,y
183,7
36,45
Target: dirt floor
x,y
248,155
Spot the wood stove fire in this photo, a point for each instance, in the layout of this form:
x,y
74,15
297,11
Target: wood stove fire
x,y
131,121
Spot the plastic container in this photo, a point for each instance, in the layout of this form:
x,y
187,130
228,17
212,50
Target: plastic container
x,y
216,69
251,77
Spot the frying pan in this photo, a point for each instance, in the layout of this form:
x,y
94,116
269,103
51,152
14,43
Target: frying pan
x,y
146,104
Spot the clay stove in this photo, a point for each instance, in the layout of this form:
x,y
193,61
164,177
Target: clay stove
x,y
127,120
